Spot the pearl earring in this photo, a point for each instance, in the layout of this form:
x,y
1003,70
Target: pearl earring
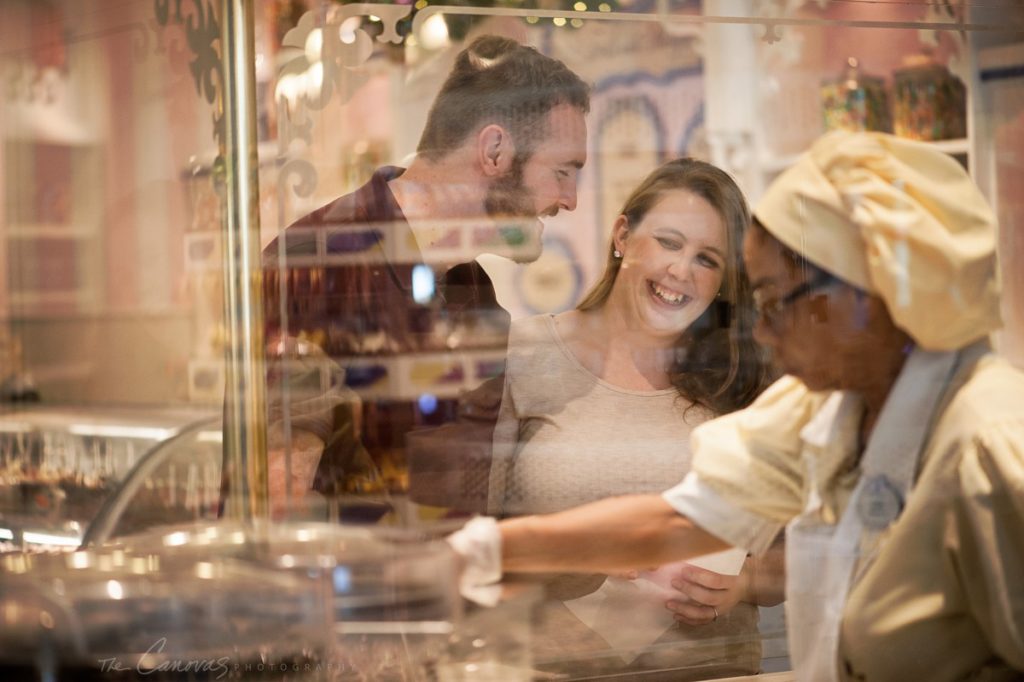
x,y
616,253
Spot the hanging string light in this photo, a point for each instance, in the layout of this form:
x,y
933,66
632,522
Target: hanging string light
x,y
457,26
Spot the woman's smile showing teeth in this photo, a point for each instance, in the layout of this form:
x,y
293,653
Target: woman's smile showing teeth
x,y
671,264
667,295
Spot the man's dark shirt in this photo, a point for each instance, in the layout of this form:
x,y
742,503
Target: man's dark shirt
x,y
346,295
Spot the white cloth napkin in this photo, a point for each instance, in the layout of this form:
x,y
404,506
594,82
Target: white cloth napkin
x,y
479,545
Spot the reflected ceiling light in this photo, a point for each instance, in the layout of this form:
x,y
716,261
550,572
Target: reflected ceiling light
x,y
576,23
315,79
347,30
6,534
314,45
210,437
285,88
604,7
434,33
422,283
580,7
115,589
176,539
48,539
144,432
374,17
531,20
80,560
558,21
427,403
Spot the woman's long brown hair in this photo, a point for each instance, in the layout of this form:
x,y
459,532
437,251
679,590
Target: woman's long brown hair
x,y
717,363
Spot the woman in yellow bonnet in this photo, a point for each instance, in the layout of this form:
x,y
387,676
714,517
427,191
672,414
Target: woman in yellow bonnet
x,y
892,451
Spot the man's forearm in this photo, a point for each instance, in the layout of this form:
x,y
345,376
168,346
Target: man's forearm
x,y
616,534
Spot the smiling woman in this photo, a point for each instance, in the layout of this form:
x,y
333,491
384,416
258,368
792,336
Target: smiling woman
x,y
672,264
688,218
600,401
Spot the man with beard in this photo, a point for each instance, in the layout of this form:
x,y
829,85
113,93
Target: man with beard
x,y
503,144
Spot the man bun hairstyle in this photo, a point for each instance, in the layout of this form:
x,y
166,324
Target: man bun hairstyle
x,y
497,80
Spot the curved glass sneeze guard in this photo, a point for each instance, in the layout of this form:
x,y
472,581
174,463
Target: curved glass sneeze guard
x,y
178,482
62,467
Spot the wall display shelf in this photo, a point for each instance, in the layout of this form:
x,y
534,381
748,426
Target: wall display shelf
x,y
402,377
411,376
455,242
51,227
787,83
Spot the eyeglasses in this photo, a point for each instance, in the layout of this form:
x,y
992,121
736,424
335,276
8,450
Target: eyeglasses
x,y
771,311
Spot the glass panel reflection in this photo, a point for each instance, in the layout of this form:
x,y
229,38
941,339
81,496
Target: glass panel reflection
x,y
488,294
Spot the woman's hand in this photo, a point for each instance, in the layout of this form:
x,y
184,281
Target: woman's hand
x,y
705,595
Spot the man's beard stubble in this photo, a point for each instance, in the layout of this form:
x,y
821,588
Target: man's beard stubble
x,y
508,197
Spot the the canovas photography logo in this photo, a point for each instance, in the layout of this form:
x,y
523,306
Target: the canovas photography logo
x,y
153,661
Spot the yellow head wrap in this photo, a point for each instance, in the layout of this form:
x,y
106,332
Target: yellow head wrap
x,y
899,219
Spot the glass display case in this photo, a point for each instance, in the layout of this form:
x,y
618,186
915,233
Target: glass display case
x,y
60,466
258,284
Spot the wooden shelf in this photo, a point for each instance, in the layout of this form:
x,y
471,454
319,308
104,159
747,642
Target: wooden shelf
x,y
406,376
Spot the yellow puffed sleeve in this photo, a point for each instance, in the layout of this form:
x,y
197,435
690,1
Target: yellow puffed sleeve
x,y
752,457
747,478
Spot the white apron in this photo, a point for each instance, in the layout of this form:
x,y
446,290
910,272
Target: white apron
x,y
821,558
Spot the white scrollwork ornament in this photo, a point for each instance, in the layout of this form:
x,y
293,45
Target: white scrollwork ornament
x,y
326,58
298,175
389,16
